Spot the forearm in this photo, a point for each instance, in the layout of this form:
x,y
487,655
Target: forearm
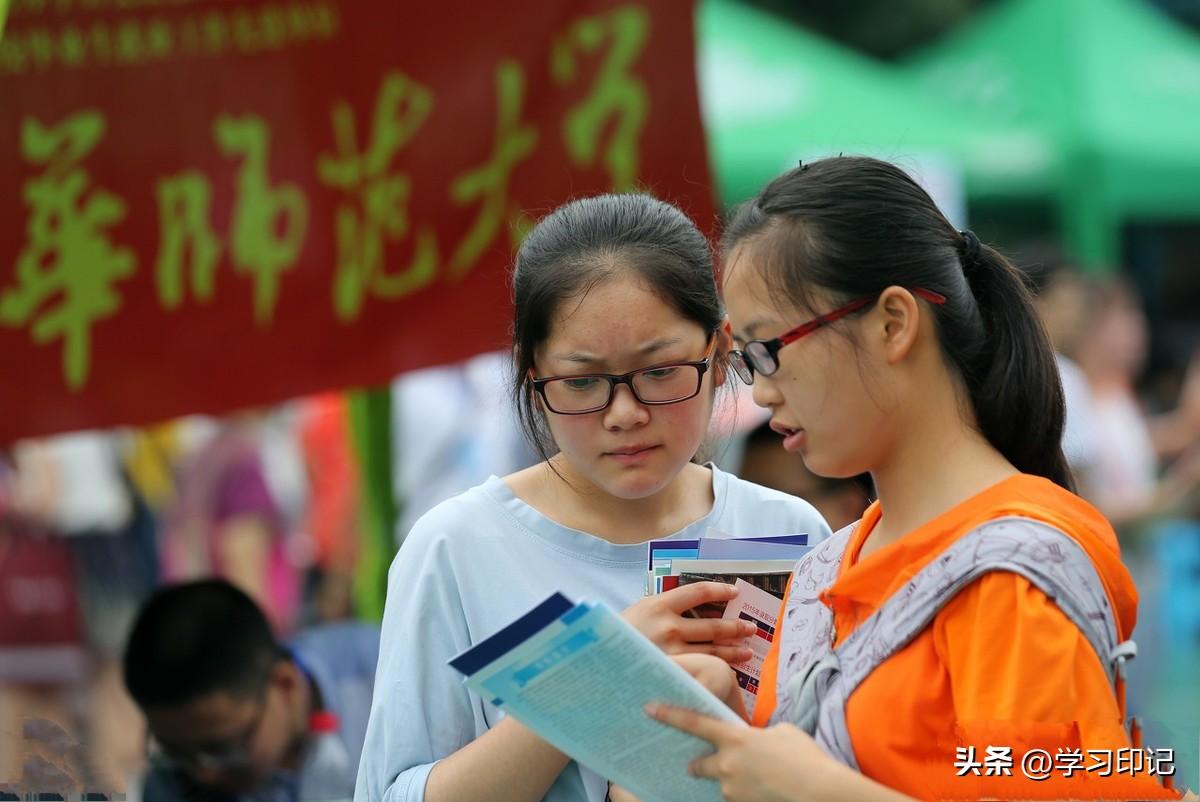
x,y
847,785
834,783
506,764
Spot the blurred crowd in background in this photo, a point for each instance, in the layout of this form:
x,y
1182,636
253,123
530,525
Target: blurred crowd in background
x,y
276,499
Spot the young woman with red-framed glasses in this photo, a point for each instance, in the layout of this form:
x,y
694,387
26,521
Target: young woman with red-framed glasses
x,y
976,620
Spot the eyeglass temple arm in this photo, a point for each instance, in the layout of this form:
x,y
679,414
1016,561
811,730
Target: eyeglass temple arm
x,y
823,320
853,306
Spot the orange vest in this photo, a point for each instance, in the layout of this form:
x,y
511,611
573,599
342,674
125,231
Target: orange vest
x,y
999,666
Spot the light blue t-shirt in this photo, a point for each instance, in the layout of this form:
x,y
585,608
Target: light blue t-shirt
x,y
470,567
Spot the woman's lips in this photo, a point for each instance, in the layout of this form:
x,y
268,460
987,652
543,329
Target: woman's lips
x,y
794,441
631,455
793,437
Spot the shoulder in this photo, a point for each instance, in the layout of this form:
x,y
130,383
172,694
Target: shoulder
x,y
471,535
469,514
1030,580
1001,597
748,505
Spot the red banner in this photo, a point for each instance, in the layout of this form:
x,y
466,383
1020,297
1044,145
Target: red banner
x,y
212,204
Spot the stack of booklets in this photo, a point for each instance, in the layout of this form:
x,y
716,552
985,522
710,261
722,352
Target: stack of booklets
x,y
579,676
763,561
759,567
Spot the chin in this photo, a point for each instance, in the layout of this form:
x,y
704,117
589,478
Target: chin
x,y
830,468
634,485
826,468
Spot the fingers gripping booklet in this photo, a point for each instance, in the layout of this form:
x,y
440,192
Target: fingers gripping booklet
x,y
579,676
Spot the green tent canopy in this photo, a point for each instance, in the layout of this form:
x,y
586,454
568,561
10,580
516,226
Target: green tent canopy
x,y
1112,85
773,93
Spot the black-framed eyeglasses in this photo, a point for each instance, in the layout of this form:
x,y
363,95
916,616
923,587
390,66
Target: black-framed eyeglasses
x,y
232,753
762,356
668,383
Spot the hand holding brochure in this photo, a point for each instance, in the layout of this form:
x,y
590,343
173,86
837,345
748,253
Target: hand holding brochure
x,y
579,676
759,567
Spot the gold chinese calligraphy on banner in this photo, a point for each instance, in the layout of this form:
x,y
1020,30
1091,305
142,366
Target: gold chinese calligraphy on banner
x,y
226,203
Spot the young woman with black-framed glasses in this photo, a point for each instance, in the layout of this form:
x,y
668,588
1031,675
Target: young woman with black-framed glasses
x,y
619,349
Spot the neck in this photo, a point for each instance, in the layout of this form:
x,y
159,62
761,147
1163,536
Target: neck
x,y
939,462
574,501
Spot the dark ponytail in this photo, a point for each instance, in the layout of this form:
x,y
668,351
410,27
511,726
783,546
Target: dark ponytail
x,y
1014,385
854,226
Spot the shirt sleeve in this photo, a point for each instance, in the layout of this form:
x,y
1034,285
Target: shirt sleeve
x,y
421,712
1024,677
1014,656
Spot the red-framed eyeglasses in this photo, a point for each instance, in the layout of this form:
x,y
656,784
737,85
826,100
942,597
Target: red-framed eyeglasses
x,y
762,356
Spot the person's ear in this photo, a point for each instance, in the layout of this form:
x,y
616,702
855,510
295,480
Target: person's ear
x,y
287,676
898,321
725,337
527,379
535,396
721,352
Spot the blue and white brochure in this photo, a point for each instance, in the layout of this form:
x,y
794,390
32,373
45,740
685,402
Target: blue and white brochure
x,y
580,677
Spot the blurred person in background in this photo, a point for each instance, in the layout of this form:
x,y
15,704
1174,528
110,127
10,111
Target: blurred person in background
x,y
451,434
331,515
78,522
226,521
1132,449
1061,301
766,463
43,656
1146,479
233,715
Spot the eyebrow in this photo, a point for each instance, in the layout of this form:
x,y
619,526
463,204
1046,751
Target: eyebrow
x,y
583,357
